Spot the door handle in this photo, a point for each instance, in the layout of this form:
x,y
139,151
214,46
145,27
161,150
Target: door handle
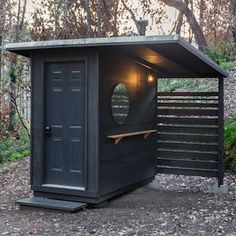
x,y
48,131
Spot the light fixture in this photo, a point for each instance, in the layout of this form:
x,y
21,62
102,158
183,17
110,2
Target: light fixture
x,y
150,78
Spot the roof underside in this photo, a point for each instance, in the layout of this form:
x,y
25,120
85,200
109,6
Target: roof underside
x,y
170,56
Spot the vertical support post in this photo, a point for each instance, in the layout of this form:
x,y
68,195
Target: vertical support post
x,y
156,120
221,131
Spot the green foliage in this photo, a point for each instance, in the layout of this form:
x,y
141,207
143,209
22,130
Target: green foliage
x,y
226,65
14,147
186,84
221,54
25,153
230,144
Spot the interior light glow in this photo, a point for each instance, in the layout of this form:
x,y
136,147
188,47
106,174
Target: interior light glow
x,y
150,78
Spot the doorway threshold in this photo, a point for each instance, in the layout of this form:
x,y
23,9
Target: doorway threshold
x,y
63,187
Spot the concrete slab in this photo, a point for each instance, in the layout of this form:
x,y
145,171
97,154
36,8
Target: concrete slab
x,y
222,189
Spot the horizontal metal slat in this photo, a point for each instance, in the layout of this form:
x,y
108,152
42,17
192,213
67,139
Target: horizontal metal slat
x,y
184,129
173,154
188,121
187,138
187,94
187,99
187,112
177,104
187,171
188,146
187,163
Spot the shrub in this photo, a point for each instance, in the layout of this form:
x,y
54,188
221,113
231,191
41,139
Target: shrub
x,y
13,147
230,144
186,84
221,54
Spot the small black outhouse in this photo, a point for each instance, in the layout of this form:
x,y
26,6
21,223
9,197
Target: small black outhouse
x,y
95,115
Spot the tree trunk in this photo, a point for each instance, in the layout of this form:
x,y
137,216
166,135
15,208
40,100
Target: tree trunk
x,y
23,16
201,13
182,7
99,20
12,94
85,5
0,76
13,70
233,28
180,23
180,19
65,16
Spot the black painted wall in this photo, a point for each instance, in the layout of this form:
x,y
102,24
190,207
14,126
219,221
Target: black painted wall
x,y
39,58
110,167
133,159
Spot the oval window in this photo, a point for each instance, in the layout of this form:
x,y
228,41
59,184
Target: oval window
x,y
120,104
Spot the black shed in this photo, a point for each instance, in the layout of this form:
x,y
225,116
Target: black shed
x,y
97,130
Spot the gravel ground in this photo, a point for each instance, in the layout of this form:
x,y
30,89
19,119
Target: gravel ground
x,y
184,206
229,93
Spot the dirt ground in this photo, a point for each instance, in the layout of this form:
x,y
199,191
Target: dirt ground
x,y
184,206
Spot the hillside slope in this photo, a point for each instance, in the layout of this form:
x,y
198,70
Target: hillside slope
x,y
230,94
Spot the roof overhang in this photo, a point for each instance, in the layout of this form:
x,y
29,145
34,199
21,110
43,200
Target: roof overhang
x,y
170,56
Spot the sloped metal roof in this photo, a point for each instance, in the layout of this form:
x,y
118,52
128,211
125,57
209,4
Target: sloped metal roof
x,y
170,56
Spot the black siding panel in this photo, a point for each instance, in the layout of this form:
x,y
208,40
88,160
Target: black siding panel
x,y
133,159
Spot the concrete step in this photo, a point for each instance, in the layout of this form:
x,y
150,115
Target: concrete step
x,y
52,204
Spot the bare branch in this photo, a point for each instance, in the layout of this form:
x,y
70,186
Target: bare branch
x,y
13,100
182,7
131,13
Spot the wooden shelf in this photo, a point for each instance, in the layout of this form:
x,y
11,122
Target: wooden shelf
x,y
119,137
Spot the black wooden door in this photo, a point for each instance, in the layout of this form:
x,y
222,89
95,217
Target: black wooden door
x,y
65,124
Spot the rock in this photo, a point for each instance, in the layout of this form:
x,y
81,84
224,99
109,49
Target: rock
x,y
223,189
155,184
